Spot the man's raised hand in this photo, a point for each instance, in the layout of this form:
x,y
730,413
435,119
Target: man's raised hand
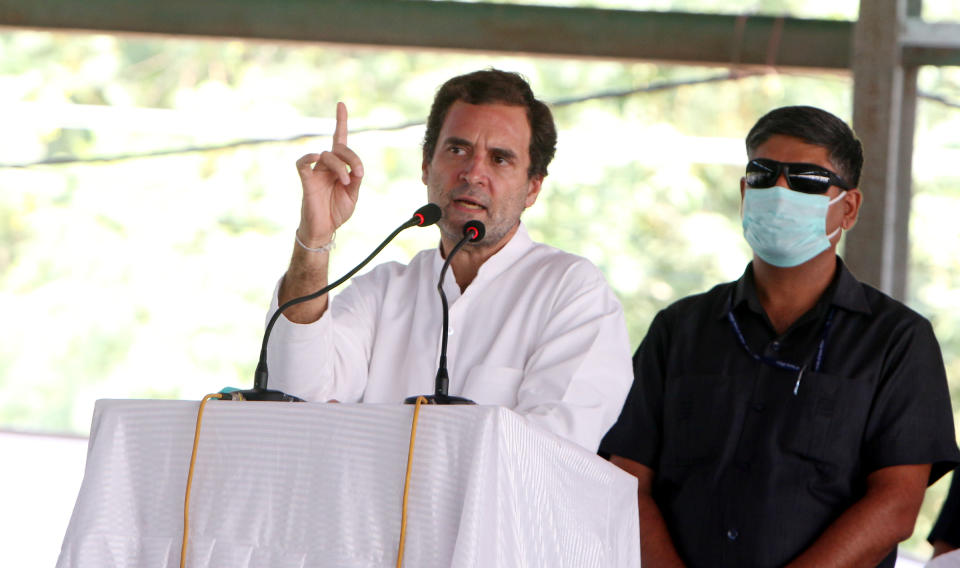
x,y
331,185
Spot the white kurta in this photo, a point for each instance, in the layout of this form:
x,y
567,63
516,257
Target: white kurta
x,y
538,331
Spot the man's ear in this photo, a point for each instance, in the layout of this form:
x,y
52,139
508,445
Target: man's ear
x,y
533,190
424,170
743,188
852,202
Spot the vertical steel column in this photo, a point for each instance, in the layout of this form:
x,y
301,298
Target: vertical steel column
x,y
884,110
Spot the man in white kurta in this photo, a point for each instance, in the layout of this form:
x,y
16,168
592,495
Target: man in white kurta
x,y
531,328
538,330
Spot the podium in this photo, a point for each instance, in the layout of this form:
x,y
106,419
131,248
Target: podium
x,y
320,485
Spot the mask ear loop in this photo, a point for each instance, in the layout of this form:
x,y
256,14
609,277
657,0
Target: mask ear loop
x,y
832,201
837,198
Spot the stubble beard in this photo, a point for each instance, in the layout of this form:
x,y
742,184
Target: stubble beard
x,y
496,228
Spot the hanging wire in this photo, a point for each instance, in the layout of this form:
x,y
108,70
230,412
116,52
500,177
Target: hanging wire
x,y
618,94
735,75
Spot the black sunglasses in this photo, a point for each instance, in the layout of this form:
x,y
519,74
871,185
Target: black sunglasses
x,y
806,178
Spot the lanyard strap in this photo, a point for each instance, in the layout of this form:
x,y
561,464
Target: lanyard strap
x,y
785,365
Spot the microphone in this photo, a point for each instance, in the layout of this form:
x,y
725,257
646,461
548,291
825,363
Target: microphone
x,y
473,231
423,217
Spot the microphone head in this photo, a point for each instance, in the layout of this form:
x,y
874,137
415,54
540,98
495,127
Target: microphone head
x,y
475,230
427,215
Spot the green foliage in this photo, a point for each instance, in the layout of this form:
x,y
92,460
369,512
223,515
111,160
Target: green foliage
x,y
151,277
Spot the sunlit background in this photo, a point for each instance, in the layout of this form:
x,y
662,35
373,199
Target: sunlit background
x,y
148,200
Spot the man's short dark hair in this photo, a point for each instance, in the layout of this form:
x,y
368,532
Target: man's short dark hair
x,y
813,126
493,86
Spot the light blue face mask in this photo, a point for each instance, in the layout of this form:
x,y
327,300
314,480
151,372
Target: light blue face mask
x,y
784,227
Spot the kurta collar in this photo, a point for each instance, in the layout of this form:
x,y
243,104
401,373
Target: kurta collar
x,y
516,247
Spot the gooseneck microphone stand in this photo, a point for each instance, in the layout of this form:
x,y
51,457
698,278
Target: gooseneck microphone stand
x,y
473,231
423,217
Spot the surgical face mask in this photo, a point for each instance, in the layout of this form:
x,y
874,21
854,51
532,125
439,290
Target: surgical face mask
x,y
784,227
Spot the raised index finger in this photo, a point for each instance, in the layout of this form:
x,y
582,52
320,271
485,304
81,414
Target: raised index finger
x,y
340,132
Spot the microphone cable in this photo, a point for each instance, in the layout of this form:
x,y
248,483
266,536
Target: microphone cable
x,y
193,460
406,480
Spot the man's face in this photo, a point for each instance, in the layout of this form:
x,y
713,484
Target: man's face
x,y
789,149
479,170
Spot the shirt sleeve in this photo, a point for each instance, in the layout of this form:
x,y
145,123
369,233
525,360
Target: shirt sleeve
x,y
947,527
912,420
637,433
327,359
576,378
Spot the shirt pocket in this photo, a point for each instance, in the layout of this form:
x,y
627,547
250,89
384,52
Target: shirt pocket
x,y
698,412
825,420
493,385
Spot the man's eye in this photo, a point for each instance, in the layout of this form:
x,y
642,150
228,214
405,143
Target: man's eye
x,y
456,150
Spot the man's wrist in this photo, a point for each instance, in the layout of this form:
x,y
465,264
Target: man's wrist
x,y
320,249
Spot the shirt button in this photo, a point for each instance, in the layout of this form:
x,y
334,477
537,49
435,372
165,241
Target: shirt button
x,y
732,534
775,346
449,331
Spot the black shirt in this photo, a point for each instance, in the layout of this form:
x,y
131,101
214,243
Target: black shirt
x,y
748,473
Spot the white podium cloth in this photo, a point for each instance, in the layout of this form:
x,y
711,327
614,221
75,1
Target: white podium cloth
x,y
946,560
303,485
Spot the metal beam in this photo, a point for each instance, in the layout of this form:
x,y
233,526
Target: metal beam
x,y
697,39
918,33
708,39
929,43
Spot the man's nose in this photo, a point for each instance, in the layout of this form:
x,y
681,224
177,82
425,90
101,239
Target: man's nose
x,y
781,180
475,170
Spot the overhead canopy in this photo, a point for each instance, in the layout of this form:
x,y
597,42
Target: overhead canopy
x,y
542,30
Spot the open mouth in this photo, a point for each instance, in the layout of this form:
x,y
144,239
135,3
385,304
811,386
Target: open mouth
x,y
469,204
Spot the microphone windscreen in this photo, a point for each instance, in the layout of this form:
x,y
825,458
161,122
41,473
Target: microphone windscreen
x,y
427,215
475,230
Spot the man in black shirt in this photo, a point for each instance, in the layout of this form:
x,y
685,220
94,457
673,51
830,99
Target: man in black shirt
x,y
794,416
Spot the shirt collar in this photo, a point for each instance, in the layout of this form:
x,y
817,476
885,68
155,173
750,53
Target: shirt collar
x,y
845,291
849,293
516,247
744,291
